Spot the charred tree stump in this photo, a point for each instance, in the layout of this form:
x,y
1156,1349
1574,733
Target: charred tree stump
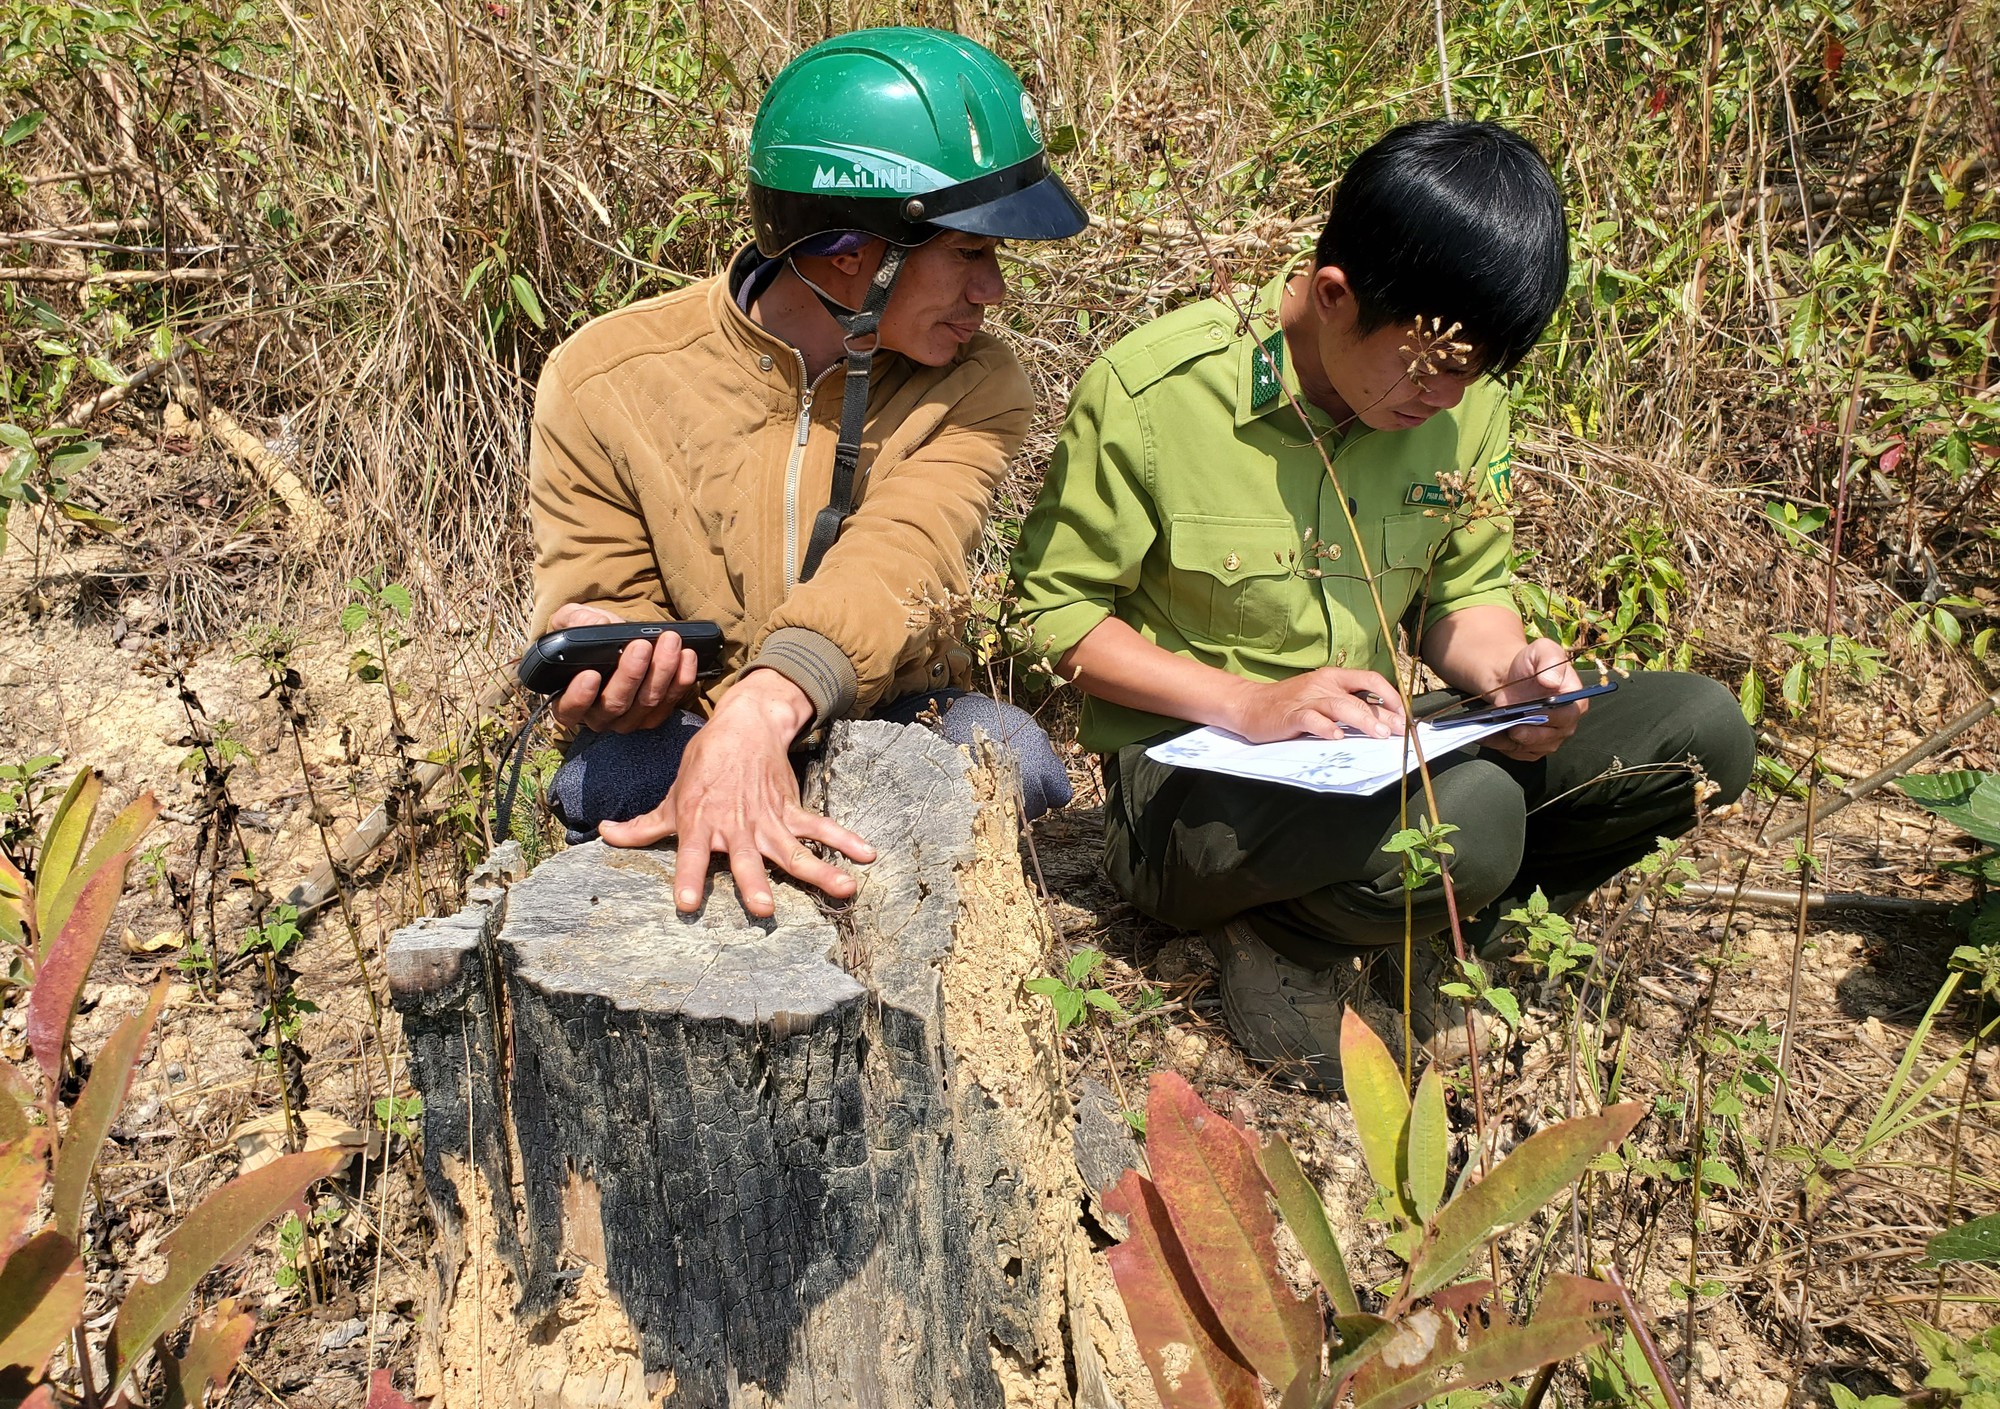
x,y
821,1160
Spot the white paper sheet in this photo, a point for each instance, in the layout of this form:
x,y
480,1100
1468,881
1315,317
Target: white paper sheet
x,y
1354,766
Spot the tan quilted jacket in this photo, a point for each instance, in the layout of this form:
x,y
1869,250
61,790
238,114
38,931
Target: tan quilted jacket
x,y
678,458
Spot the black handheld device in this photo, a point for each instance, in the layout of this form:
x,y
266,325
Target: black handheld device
x,y
1472,712
559,657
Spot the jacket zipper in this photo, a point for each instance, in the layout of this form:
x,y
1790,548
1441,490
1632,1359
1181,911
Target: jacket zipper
x,y
792,467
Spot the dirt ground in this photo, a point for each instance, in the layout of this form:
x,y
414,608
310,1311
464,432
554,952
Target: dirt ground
x,y
96,666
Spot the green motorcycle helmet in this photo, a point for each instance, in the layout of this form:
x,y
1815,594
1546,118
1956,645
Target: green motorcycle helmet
x,y
901,133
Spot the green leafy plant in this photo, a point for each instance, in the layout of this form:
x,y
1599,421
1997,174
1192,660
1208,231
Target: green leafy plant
x,y
57,919
1796,526
1631,623
380,606
220,749
1551,941
1977,1240
39,469
1643,581
24,790
1821,657
1942,622
1961,1374
267,943
1213,1312
1421,848
1740,1068
399,1114
299,1250
1476,986
1073,994
1970,801
1619,1375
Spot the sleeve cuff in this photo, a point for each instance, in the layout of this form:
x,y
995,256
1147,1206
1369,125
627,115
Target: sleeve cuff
x,y
1490,597
1053,633
814,664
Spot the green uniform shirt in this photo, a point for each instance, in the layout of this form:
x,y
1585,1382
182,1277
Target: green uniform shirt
x,y
1185,498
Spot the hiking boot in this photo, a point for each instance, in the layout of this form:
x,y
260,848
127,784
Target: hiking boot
x,y
1436,1019
1288,1016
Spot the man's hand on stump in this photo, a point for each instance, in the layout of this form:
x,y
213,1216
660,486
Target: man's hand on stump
x,y
736,795
651,679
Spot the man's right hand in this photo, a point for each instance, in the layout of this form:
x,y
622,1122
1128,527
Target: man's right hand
x,y
1320,704
1115,663
650,680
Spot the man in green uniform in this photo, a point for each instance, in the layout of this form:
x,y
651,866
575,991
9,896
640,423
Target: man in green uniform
x,y
1192,559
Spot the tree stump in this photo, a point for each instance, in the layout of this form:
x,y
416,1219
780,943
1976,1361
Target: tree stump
x,y
821,1160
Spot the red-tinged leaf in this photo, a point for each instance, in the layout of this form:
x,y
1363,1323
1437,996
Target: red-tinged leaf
x,y
66,963
1500,1354
1305,1215
41,1296
96,1108
1358,1339
1568,1295
1836,55
24,1170
1890,458
1528,1178
44,1397
1460,1298
63,844
1379,1100
1193,1363
1303,1392
1207,1173
1464,1352
216,1231
214,1346
122,835
383,1394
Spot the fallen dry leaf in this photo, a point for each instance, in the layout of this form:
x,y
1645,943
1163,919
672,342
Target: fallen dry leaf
x,y
262,1140
158,944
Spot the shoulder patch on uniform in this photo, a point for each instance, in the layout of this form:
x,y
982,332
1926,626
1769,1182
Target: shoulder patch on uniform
x,y
1267,370
1500,473
1145,356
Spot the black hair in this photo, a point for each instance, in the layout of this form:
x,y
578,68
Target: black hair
x,y
1460,221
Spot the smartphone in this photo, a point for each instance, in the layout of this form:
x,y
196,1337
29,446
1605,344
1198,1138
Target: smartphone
x,y
559,657
1466,712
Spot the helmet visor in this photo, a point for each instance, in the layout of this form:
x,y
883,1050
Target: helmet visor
x,y
1043,211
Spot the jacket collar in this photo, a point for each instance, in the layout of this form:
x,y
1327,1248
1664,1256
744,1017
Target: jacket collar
x,y
753,340
741,331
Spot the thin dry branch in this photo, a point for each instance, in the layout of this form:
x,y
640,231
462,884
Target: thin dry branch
x,y
310,520
119,276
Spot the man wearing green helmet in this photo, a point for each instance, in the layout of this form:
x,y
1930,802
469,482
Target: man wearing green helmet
x,y
688,462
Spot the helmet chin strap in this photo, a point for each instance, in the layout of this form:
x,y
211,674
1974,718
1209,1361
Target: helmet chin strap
x,y
859,329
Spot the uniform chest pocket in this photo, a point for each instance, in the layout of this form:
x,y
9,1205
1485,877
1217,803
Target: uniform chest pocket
x,y
1232,582
1411,545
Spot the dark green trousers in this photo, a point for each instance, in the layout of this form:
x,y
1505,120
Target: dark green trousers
x,y
1307,871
